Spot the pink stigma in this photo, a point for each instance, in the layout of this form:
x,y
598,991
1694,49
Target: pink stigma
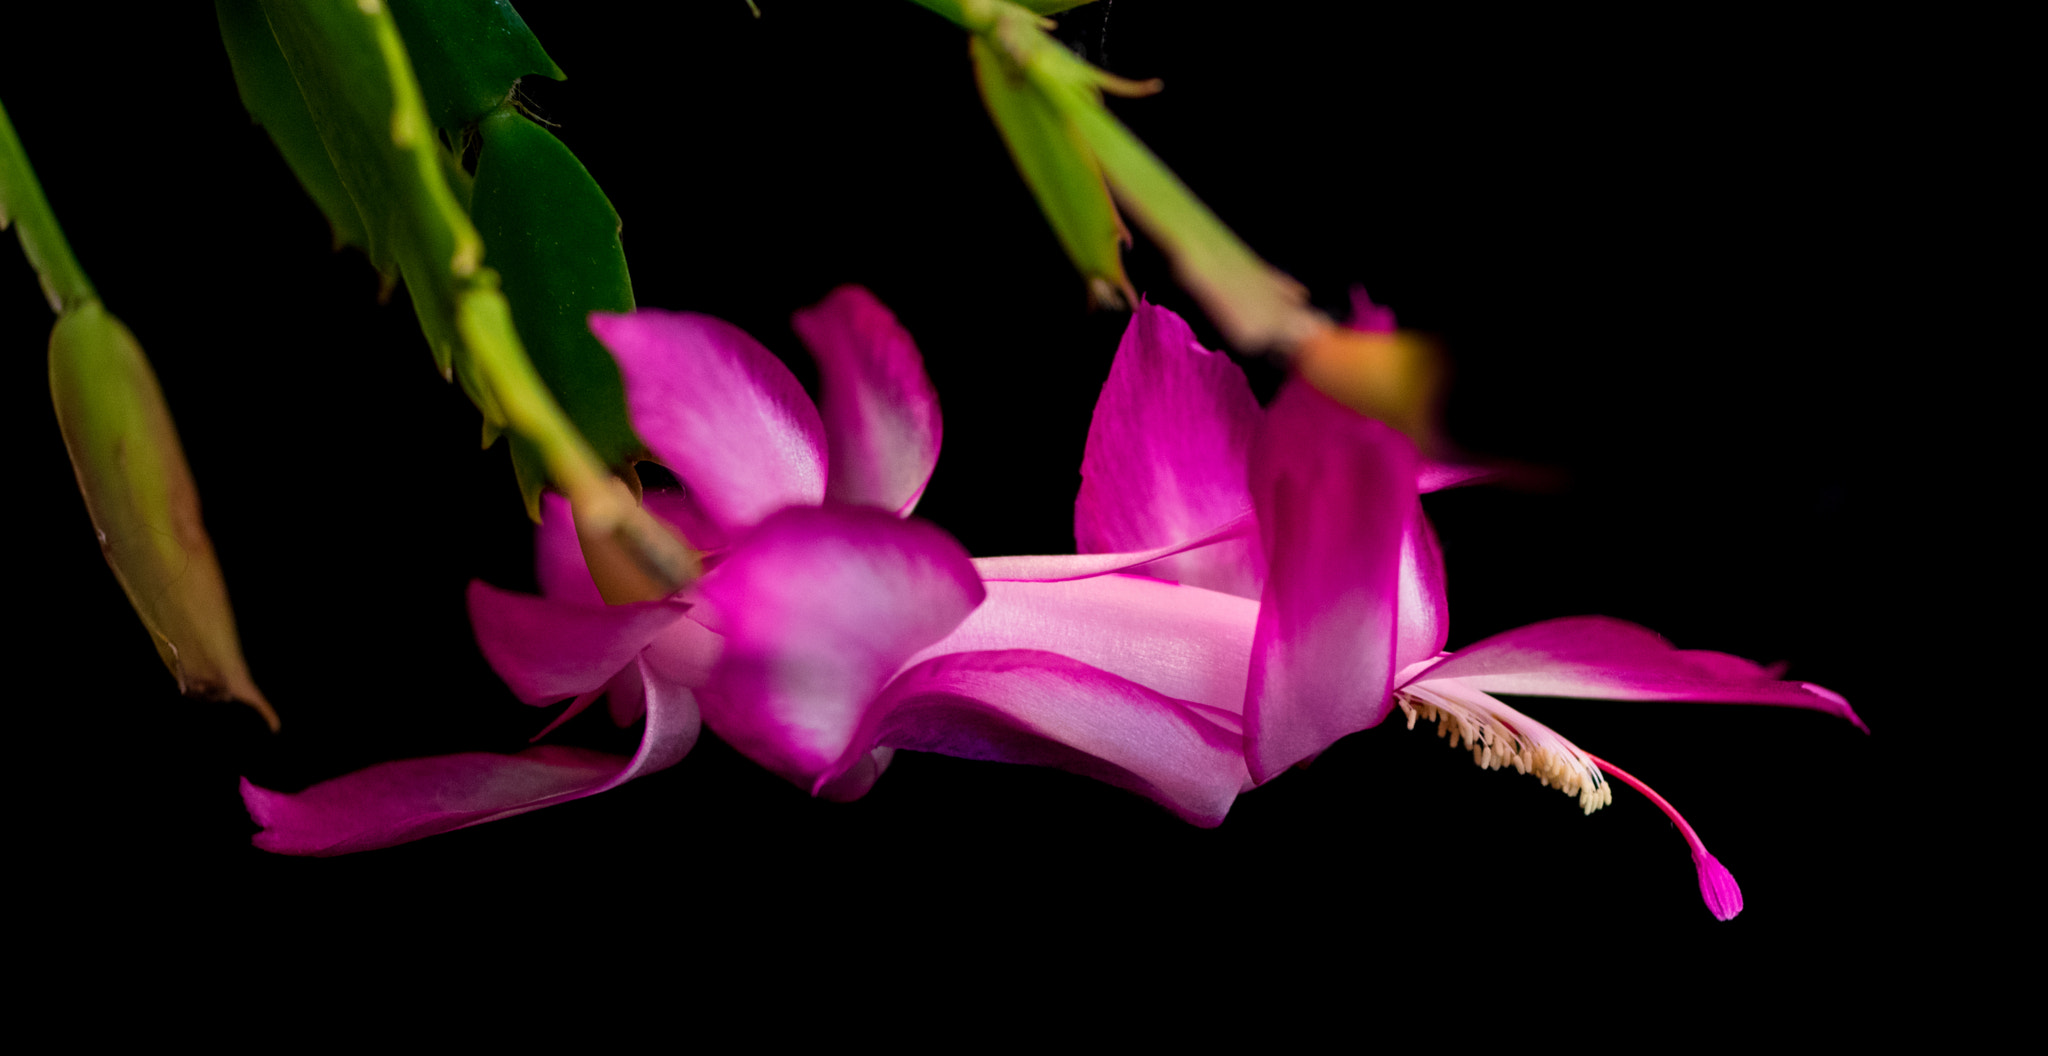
x,y
1718,888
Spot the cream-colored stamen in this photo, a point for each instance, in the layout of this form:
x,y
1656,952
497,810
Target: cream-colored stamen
x,y
1501,736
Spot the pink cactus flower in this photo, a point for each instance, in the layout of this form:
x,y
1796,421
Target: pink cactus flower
x,y
1312,509
1253,584
797,644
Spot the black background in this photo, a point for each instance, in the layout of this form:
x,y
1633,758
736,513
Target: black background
x,y
1661,253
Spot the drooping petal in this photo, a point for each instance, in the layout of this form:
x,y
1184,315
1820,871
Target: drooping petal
x,y
721,411
1166,456
1334,492
880,414
546,649
1424,607
1044,709
1606,659
1183,642
397,802
819,607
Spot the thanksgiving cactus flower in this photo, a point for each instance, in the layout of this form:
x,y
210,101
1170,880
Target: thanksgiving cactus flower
x,y
836,618
1313,509
814,643
1252,585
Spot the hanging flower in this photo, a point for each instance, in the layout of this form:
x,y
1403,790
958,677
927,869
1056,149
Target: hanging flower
x,y
797,644
1253,585
1313,509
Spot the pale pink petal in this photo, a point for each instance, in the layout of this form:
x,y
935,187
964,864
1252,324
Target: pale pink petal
x,y
1049,567
719,410
1606,659
819,607
1044,709
397,802
1424,608
880,413
1166,456
1183,642
1334,491
684,653
546,649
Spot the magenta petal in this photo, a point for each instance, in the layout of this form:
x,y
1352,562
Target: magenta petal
x,y
1607,659
683,654
819,607
1368,317
1431,475
682,513
1334,491
1183,642
880,413
1166,456
859,778
1424,608
1024,706
546,650
558,557
397,802
565,575
719,410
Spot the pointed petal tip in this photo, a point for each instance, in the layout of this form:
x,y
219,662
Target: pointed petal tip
x,y
1841,703
1718,888
880,413
718,409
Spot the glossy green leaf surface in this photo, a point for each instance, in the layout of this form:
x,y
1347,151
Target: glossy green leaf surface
x,y
272,98
1059,169
467,55
553,238
351,66
1257,307
351,70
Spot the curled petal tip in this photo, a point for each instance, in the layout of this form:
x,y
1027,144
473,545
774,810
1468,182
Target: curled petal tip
x,y
1718,888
